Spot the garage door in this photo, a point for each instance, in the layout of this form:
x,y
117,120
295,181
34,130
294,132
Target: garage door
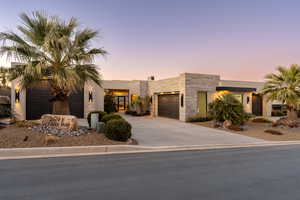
x,y
168,105
37,102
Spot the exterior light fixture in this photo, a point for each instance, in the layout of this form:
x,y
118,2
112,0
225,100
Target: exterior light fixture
x,y
90,96
151,100
17,96
181,100
248,99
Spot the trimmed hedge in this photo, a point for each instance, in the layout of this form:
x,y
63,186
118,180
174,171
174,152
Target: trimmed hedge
x,y
101,114
109,117
118,129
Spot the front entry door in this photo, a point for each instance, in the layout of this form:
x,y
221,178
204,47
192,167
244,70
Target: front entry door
x,y
257,105
121,103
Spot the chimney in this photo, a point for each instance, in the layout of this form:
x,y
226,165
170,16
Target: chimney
x,y
151,78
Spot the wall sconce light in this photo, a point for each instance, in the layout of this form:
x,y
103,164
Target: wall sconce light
x,y
181,100
248,100
17,96
90,96
151,100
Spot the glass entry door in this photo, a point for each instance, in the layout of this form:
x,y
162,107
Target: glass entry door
x,y
121,103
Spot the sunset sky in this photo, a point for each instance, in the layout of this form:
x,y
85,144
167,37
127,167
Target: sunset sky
x,y
237,39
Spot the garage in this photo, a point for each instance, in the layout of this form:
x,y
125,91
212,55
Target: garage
x,y
37,102
168,105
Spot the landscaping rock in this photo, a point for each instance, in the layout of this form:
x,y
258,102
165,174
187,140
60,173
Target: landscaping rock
x,y
100,127
50,139
218,124
273,132
7,121
235,127
227,123
66,122
4,100
59,132
132,141
287,123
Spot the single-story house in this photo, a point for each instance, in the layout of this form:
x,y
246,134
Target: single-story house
x,y
180,97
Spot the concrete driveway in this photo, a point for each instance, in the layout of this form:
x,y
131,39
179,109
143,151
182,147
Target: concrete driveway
x,y
168,132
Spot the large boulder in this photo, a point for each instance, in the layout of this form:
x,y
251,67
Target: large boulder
x,y
67,122
4,100
286,122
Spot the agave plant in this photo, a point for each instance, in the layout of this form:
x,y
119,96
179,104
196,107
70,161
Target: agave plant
x,y
54,50
284,86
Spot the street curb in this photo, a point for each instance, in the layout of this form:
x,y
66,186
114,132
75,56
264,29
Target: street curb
x,y
51,152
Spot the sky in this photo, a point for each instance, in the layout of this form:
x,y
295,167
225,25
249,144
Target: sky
x,y
236,39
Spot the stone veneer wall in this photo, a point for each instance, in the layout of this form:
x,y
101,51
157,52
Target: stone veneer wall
x,y
176,84
98,98
195,83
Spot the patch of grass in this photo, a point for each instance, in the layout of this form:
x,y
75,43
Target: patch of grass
x,y
26,124
261,120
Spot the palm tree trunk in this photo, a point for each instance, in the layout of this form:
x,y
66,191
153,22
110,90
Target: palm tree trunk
x,y
292,114
61,107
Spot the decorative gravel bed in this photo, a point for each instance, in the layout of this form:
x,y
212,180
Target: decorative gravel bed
x,y
59,132
18,137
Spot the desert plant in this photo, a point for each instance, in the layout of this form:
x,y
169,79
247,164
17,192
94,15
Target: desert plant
x,y
109,117
284,86
5,111
101,114
141,105
54,50
227,107
199,119
118,129
109,103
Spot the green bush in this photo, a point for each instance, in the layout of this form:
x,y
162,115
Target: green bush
x,y
109,103
227,107
5,111
101,114
261,120
109,117
118,129
278,113
199,119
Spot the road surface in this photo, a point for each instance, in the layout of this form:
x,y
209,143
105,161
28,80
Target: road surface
x,y
233,174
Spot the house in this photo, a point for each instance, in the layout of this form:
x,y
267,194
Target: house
x,y
179,97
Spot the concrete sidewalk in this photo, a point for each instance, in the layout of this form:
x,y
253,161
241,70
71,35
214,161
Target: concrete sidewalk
x,y
44,152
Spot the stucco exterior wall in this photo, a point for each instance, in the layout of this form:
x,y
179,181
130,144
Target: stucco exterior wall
x,y
18,108
98,98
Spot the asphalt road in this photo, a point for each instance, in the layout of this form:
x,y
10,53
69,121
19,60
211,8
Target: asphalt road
x,y
245,173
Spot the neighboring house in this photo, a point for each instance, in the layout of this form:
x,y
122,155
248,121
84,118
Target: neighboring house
x,y
180,97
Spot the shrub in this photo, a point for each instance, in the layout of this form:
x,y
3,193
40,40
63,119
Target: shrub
x,y
278,113
118,129
262,120
199,119
227,107
5,111
109,117
109,103
101,114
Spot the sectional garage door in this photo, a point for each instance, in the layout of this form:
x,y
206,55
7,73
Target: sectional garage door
x,y
37,102
168,105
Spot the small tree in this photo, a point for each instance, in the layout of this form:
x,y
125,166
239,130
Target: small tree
x,y
227,107
109,103
141,104
284,86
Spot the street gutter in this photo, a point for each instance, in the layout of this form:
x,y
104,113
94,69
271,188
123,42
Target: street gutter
x,y
50,152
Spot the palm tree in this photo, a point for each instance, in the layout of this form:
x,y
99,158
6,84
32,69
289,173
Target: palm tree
x,y
284,86
53,50
4,72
